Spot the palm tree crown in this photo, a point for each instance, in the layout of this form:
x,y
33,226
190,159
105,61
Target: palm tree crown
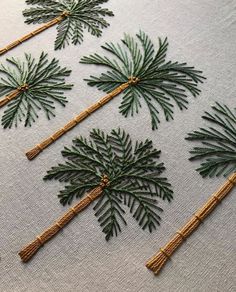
x,y
134,175
79,15
44,84
218,142
158,82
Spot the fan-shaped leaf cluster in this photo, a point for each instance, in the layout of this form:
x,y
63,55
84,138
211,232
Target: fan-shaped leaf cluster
x,y
46,81
82,14
218,142
134,173
161,83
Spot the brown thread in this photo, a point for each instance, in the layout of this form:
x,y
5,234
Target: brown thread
x,y
198,218
29,250
157,262
181,234
165,253
59,225
13,94
34,33
40,240
31,154
216,199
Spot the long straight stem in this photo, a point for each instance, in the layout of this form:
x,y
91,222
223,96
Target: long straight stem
x,y
32,34
30,249
157,262
31,154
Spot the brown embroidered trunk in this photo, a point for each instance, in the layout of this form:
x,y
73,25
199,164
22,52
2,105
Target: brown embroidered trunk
x,y
158,261
13,94
33,33
31,154
29,250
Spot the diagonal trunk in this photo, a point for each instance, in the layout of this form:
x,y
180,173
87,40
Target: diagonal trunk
x,y
79,118
9,97
13,94
29,250
158,261
33,33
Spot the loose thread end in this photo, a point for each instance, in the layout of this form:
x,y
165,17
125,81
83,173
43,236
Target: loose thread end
x,y
31,154
156,263
28,251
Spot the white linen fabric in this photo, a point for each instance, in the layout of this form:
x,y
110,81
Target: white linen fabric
x,y
200,32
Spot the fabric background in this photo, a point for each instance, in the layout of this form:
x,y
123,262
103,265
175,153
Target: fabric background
x,y
200,32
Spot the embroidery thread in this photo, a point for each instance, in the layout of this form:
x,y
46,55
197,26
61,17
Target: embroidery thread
x,y
219,152
71,16
141,75
29,85
218,142
157,262
113,169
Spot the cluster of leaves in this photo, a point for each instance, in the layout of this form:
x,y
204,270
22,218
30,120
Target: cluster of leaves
x,y
82,14
161,84
218,143
46,80
134,174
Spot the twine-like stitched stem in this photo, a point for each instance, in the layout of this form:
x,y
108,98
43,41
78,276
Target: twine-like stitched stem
x,y
158,260
34,33
31,154
29,250
13,94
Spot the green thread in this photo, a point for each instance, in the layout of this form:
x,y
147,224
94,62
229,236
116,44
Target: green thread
x,y
42,84
161,83
79,15
218,142
134,173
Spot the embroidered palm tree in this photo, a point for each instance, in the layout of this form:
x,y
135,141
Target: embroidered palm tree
x,y
29,85
115,171
218,142
71,16
143,76
218,150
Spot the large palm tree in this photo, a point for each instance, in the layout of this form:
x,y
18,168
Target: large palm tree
x,y
115,171
218,152
70,16
143,76
29,85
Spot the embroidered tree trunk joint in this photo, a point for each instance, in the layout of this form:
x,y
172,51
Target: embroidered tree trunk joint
x,y
133,178
157,262
142,76
72,17
13,94
31,154
28,251
29,85
33,33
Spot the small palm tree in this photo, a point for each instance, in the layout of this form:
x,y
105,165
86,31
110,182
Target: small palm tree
x,y
218,142
143,76
71,16
29,85
131,175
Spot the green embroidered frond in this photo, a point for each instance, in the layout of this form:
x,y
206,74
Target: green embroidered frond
x,y
82,14
135,176
46,86
161,83
218,142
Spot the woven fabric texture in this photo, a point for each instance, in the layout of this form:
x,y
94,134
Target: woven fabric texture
x,y
200,32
